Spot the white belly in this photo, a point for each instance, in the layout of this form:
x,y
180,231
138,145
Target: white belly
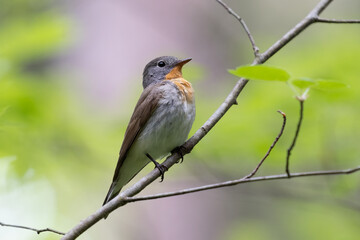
x,y
169,128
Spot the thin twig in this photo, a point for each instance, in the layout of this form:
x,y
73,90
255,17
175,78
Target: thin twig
x,y
242,22
325,20
271,147
38,231
240,181
287,170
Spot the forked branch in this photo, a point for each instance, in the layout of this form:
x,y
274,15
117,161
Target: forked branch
x,y
240,181
312,17
38,231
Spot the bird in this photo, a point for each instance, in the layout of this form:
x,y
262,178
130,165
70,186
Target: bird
x,y
160,123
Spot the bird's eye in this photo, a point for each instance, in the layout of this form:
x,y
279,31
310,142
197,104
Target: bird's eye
x,y
161,64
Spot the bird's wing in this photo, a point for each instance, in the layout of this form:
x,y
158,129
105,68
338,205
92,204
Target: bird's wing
x,y
144,108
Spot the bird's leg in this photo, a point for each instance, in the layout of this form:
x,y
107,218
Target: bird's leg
x,y
179,150
161,167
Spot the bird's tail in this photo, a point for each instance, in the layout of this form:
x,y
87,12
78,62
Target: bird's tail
x,y
113,192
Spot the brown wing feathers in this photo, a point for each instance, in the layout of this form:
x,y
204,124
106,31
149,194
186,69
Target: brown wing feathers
x,y
143,110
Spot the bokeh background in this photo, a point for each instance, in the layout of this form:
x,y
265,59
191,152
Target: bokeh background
x,y
70,75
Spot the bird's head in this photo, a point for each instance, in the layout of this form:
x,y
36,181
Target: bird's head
x,y
163,68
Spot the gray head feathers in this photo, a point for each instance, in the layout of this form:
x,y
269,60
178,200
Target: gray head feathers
x,y
157,69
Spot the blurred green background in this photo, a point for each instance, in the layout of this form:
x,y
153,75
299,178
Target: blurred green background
x,y
70,75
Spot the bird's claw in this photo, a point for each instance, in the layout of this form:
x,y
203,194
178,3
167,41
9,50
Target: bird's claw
x,y
160,167
179,150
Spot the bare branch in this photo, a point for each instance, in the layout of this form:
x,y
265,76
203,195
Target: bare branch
x,y
287,170
324,20
240,181
271,147
242,22
203,130
38,231
301,26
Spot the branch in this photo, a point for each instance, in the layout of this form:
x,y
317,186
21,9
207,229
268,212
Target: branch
x,y
38,231
271,147
201,132
324,20
242,22
295,137
240,181
301,26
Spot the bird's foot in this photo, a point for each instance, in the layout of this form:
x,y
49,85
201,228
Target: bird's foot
x,y
179,150
160,167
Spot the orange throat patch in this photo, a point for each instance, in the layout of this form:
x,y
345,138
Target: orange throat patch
x,y
174,73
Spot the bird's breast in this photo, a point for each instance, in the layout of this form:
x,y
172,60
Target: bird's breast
x,y
185,89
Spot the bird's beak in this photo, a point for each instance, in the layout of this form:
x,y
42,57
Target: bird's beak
x,y
183,62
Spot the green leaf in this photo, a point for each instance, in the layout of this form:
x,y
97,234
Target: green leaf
x,y
328,85
302,83
261,72
320,84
